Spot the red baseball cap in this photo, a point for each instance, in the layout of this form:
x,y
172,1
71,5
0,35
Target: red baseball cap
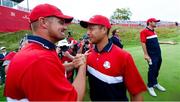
x,y
97,19
152,20
45,10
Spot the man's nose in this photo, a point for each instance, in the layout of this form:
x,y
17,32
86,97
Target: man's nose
x,y
64,27
88,32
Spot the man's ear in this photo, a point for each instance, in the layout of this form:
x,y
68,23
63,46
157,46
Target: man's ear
x,y
104,29
43,22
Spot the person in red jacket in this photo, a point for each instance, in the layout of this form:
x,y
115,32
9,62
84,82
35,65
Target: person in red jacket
x,y
111,70
35,72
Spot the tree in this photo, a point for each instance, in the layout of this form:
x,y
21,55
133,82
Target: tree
x,y
122,14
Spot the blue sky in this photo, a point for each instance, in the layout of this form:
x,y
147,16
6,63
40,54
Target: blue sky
x,y
167,10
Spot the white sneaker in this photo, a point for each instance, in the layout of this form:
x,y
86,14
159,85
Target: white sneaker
x,y
159,87
151,91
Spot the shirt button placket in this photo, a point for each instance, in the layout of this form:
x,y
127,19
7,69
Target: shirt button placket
x,y
97,59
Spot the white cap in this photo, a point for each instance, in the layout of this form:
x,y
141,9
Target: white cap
x,y
63,42
3,48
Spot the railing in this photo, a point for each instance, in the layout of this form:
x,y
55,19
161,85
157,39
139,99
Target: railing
x,y
12,4
8,3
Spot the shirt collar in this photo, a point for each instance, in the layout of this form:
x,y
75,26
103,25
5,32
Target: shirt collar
x,y
43,42
107,48
149,29
4,53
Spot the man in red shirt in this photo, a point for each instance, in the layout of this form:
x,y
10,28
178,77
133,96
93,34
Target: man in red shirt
x,y
111,69
35,72
152,53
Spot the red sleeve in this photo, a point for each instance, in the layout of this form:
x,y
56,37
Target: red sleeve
x,y
133,80
48,82
143,36
70,39
64,58
9,56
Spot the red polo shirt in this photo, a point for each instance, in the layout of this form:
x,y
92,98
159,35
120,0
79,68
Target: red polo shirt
x,y
146,34
36,74
149,37
111,72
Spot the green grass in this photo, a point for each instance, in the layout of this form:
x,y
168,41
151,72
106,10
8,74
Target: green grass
x,y
11,40
2,98
169,74
128,35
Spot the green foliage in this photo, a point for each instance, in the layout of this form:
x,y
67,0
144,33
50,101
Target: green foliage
x,y
2,98
165,33
131,36
122,14
11,40
128,35
77,31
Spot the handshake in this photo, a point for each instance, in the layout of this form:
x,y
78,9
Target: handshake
x,y
79,60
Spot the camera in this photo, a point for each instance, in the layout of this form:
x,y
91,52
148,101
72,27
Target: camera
x,y
86,41
64,48
85,46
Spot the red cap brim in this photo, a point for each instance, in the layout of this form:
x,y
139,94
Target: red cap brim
x,y
85,23
157,20
67,19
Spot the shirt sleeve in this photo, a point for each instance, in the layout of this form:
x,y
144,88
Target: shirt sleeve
x,y
143,36
133,80
48,82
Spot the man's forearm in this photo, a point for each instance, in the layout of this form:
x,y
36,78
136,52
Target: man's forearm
x,y
80,82
144,48
68,66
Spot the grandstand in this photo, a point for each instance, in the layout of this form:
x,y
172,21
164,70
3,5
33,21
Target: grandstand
x,y
8,3
12,19
141,23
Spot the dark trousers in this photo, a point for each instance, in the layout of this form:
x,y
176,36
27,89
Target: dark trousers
x,y
154,70
2,75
